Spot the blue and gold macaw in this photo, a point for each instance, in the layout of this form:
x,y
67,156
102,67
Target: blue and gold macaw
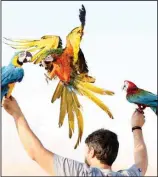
x,y
13,72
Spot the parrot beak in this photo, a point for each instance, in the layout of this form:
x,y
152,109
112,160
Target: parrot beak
x,y
123,87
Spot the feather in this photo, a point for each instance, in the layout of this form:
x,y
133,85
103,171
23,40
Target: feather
x,y
96,89
82,15
79,122
63,107
70,112
94,99
58,91
42,45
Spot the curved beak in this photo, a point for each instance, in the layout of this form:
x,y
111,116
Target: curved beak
x,y
123,87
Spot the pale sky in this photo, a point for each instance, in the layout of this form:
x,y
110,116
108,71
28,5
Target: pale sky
x,y
120,43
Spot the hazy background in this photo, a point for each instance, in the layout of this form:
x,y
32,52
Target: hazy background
x,y
120,43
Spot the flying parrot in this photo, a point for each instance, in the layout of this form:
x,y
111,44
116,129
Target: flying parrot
x,y
140,97
69,65
13,72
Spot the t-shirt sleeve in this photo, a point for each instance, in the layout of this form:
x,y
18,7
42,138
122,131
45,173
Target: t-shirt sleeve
x,y
67,167
132,171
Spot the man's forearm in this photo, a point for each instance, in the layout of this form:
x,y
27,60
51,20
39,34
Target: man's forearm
x,y
140,151
29,140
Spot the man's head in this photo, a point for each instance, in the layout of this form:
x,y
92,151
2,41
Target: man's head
x,y
101,146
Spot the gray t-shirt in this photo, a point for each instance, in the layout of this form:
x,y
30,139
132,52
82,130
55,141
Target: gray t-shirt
x,y
67,167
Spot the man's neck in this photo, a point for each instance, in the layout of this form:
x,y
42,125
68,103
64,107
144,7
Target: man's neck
x,y
101,166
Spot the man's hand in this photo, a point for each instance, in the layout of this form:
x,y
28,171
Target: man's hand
x,y
12,107
137,119
140,152
31,143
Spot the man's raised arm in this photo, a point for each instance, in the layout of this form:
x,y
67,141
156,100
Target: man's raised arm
x,y
140,151
31,143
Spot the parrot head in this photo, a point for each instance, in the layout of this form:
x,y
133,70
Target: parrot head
x,y
21,57
128,85
24,57
47,63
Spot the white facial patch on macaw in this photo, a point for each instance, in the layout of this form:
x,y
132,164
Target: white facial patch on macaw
x,y
28,58
22,56
125,87
49,58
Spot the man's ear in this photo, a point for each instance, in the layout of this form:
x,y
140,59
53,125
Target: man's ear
x,y
92,152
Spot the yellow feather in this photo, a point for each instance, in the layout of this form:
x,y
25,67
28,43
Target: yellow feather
x,y
58,91
45,43
74,39
63,107
79,122
37,56
76,100
96,89
96,100
11,87
14,61
70,113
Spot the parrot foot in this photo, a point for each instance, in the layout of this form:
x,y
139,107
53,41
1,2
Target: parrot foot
x,y
141,108
47,78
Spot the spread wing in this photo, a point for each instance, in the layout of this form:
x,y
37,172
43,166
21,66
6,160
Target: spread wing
x,y
38,47
81,64
73,39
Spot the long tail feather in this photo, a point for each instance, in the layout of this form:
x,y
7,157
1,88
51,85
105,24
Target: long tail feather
x,y
58,91
63,107
79,121
96,89
94,99
70,113
155,109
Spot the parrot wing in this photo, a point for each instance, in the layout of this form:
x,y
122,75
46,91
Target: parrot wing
x,y
11,74
143,97
40,47
81,64
75,36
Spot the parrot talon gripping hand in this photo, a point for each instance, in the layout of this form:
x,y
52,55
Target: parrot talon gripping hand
x,y
70,66
140,97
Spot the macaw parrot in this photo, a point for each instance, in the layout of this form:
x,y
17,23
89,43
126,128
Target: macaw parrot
x,y
13,73
140,97
70,66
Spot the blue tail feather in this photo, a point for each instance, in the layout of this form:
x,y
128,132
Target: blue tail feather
x,y
155,109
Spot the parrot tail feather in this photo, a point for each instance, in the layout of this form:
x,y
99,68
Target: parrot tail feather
x,y
95,89
79,121
63,107
155,109
84,91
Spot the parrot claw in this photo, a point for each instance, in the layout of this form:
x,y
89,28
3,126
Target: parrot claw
x,y
47,78
140,110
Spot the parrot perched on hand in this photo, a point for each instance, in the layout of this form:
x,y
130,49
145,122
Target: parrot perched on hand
x,y
140,97
13,73
69,65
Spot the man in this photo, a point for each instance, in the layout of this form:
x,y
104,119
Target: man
x,y
101,149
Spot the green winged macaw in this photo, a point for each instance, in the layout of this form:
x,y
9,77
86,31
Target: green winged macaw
x,y
70,66
13,72
140,97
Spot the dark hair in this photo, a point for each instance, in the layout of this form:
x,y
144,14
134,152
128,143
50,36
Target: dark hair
x,y
105,145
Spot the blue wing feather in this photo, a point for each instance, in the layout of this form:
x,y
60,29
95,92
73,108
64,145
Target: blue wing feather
x,y
144,98
10,74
